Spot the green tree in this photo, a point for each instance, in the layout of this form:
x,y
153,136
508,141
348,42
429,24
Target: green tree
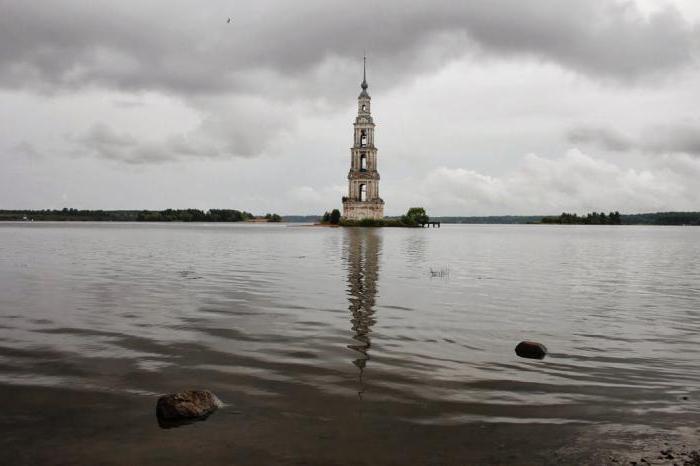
x,y
415,216
335,217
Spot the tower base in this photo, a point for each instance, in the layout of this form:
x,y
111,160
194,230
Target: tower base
x,y
357,210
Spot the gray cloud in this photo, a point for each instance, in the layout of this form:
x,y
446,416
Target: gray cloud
x,y
683,138
251,80
128,103
28,150
604,137
232,127
182,47
105,142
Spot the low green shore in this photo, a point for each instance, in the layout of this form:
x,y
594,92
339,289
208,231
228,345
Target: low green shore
x,y
232,215
167,215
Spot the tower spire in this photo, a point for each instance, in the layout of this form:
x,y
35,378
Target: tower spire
x,y
364,72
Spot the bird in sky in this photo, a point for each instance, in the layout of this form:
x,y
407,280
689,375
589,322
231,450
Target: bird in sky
x,y
228,20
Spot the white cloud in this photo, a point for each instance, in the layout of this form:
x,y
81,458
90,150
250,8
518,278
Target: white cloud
x,y
573,182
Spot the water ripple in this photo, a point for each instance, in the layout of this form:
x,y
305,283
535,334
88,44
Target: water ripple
x,y
284,315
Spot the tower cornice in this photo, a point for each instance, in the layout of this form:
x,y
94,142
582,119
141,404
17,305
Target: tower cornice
x,y
363,175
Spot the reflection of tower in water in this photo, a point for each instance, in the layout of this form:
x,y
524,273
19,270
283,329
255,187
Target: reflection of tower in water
x,y
361,251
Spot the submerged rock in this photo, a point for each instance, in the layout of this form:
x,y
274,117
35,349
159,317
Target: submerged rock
x,y
190,404
531,350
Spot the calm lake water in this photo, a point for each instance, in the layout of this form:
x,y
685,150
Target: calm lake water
x,y
347,346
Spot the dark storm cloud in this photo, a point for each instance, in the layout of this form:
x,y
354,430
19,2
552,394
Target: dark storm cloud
x,y
186,46
669,139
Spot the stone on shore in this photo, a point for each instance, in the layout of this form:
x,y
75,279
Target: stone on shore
x,y
531,350
190,404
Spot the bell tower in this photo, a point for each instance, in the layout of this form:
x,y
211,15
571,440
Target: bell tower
x,y
363,199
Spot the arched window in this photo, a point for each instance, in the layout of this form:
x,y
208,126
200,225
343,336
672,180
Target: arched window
x,y
364,107
363,138
363,162
363,192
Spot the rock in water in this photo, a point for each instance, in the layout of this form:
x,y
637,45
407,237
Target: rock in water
x,y
531,350
190,404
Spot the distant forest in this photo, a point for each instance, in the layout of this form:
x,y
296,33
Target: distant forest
x,y
663,218
595,218
615,218
168,215
231,215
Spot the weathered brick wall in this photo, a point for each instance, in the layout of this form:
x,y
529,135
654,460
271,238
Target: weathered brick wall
x,y
356,210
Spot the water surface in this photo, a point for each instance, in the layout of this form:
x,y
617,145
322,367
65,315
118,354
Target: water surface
x,y
346,346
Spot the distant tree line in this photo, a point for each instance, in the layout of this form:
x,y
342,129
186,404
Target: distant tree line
x,y
193,215
274,218
663,218
67,214
594,218
168,215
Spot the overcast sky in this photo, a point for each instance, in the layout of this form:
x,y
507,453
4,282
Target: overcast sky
x,y
482,107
